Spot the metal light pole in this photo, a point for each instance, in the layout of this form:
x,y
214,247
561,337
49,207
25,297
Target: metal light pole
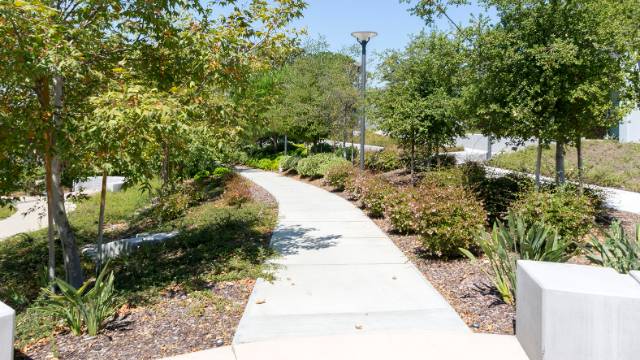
x,y
363,38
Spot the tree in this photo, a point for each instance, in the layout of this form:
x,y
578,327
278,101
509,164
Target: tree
x,y
317,96
57,55
549,68
418,105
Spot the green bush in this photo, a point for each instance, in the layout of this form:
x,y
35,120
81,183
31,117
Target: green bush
x,y
617,251
447,218
172,206
374,192
289,163
81,309
222,172
497,194
315,165
565,209
515,241
337,174
399,211
384,160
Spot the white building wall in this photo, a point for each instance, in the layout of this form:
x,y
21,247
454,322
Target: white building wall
x,y
630,127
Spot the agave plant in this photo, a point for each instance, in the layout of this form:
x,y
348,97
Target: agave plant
x,y
617,251
82,308
518,240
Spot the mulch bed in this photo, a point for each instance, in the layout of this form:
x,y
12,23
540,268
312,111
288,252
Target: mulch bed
x,y
177,322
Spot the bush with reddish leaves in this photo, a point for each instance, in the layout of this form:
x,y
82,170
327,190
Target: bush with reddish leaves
x,y
237,191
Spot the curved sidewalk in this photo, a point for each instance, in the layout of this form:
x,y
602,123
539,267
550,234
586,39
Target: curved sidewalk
x,y
339,273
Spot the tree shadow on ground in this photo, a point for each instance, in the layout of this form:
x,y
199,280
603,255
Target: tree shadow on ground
x,y
290,240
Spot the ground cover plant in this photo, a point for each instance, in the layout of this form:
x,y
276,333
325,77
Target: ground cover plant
x,y
606,163
6,211
219,243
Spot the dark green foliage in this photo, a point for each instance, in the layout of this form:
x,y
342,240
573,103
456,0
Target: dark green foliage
x,y
565,209
383,161
447,218
617,251
497,194
519,239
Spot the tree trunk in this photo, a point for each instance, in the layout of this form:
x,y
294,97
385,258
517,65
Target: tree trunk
x,y
538,164
580,165
103,201
429,157
560,178
71,255
50,230
286,144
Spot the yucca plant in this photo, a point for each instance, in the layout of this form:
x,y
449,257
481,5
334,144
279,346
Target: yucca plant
x,y
83,307
518,240
617,251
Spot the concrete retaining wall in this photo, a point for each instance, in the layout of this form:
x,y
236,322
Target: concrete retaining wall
x,y
577,312
7,331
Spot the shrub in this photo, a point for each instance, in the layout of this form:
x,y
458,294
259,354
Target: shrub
x,y
81,309
237,191
315,165
569,212
172,206
289,163
337,173
617,251
447,218
354,183
374,192
518,240
497,194
399,211
384,160
222,172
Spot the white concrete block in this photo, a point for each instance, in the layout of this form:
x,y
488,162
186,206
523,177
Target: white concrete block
x,y
7,331
568,311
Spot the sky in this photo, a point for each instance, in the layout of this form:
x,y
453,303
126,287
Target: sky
x,y
336,19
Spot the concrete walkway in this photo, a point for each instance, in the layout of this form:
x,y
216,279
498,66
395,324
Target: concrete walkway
x,y
31,215
339,274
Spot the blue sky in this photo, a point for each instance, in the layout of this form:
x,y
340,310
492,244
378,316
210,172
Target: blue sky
x,y
336,19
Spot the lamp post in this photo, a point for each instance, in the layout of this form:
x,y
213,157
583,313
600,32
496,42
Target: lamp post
x,y
363,38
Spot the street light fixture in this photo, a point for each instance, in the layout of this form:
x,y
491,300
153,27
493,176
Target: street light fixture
x,y
363,38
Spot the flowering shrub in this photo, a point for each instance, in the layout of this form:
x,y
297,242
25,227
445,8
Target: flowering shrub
x,y
374,192
398,209
237,191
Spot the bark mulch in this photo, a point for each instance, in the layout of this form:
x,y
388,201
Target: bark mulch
x,y
178,323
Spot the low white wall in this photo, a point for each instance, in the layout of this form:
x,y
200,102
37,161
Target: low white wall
x,y
7,330
577,312
94,184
